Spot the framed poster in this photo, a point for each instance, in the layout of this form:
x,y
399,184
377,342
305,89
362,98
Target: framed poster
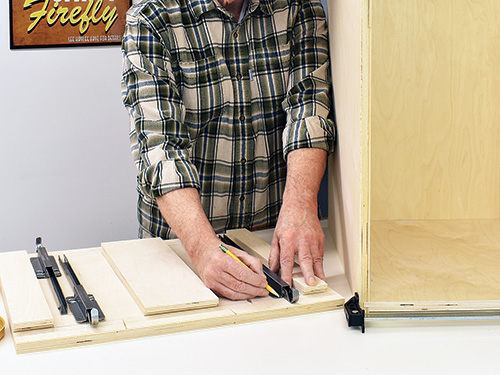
x,y
66,23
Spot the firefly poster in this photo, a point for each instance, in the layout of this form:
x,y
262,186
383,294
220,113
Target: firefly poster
x,y
66,23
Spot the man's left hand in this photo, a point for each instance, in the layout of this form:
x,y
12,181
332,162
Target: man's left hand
x,y
298,230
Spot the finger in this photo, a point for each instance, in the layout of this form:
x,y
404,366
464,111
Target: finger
x,y
252,262
240,278
306,265
274,255
223,291
287,261
318,268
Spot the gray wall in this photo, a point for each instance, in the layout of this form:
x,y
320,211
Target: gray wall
x,y
66,171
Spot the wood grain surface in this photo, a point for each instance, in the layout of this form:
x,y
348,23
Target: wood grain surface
x,y
417,155
27,307
435,261
435,110
348,167
156,277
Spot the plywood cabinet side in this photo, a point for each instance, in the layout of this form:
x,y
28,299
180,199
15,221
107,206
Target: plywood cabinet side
x,y
435,110
349,176
434,190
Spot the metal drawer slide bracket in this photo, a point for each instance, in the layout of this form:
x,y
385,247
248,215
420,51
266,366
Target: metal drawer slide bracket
x,y
83,306
45,266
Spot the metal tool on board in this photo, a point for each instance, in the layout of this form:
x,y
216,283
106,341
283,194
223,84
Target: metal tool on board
x,y
45,266
281,287
83,306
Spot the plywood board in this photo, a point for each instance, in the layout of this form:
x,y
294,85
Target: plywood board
x,y
125,320
27,308
259,248
435,265
348,168
176,286
234,312
435,108
268,308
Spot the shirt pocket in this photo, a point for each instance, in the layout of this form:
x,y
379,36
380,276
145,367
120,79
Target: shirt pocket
x,y
272,71
202,91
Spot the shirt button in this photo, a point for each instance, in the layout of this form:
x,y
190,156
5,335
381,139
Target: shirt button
x,y
235,35
242,198
238,77
243,160
242,118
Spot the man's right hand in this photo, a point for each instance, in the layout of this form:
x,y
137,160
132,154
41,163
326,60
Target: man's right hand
x,y
224,275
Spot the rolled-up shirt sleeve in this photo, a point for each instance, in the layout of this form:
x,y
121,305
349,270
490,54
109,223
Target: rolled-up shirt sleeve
x,y
308,103
160,142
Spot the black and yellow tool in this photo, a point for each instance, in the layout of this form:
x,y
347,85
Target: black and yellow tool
x,y
279,287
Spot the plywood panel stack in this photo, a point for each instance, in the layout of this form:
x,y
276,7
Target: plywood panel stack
x,y
144,287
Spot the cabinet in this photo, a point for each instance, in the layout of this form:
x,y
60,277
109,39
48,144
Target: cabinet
x,y
415,179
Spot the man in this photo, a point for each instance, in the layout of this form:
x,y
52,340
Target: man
x,y
228,100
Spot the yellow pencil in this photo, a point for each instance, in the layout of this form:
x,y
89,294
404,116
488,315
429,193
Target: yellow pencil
x,y
228,252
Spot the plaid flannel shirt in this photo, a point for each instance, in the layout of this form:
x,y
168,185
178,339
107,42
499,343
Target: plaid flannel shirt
x,y
217,104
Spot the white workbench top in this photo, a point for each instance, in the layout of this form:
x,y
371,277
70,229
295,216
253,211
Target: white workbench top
x,y
319,343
